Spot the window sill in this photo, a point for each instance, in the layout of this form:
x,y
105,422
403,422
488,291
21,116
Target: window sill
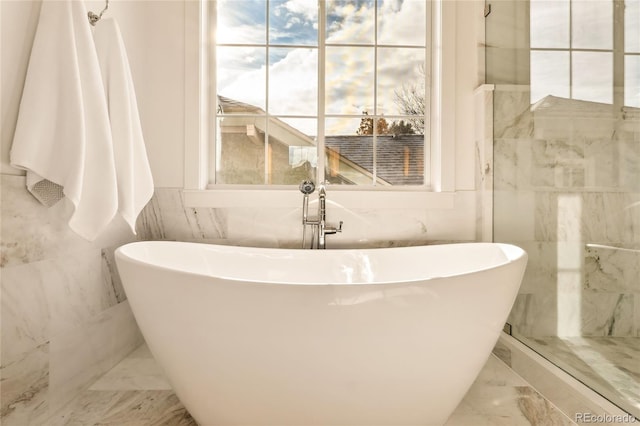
x,y
292,198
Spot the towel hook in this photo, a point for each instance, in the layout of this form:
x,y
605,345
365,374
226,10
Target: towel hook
x,y
93,18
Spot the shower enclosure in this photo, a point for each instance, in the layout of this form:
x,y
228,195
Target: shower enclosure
x,y
566,152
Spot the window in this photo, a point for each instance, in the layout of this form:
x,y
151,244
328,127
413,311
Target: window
x,y
333,90
578,53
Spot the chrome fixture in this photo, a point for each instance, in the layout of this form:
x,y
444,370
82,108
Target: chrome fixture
x,y
94,18
319,224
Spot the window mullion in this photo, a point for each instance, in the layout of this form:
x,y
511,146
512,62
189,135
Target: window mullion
x,y
214,156
266,94
321,90
428,93
375,95
570,49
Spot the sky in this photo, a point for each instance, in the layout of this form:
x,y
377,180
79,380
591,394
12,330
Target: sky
x,y
293,71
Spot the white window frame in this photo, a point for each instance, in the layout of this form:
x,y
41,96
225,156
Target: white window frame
x,y
441,157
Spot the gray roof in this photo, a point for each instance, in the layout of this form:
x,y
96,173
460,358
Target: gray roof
x,y
391,152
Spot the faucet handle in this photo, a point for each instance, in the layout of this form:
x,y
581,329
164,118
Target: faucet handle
x,y
328,230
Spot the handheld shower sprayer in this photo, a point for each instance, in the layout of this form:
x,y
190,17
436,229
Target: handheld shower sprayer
x,y
306,187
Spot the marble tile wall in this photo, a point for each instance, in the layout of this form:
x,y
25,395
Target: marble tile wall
x,y
64,316
167,218
566,177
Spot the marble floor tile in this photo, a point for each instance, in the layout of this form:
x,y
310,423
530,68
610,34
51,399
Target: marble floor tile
x,y
500,397
125,408
135,393
609,365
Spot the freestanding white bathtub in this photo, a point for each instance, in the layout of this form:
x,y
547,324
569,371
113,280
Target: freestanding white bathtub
x,y
255,336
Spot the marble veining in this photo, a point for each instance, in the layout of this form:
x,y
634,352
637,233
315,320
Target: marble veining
x,y
612,269
111,277
129,395
167,218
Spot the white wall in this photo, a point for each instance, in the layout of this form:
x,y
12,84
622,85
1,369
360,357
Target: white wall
x,y
153,32
470,25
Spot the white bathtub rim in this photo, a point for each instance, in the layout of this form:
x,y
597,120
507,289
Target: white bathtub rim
x,y
512,253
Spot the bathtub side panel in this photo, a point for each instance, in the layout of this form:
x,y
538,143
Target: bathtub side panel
x,y
247,353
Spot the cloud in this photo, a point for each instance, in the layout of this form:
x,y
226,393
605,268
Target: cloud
x,y
308,9
350,84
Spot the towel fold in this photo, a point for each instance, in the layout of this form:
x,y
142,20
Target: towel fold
x,y
63,137
135,183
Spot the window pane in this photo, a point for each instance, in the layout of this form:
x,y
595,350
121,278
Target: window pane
x,y
402,22
351,22
292,154
401,81
241,21
593,76
241,74
293,22
592,24
399,157
549,23
348,155
549,75
632,26
632,81
293,74
349,80
400,149
240,156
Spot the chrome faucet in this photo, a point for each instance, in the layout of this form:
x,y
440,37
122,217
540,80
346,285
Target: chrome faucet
x,y
320,222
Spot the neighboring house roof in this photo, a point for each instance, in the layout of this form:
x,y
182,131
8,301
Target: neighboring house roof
x,y
399,158
279,130
556,105
230,106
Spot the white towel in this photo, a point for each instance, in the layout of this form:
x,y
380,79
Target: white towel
x,y
135,183
63,137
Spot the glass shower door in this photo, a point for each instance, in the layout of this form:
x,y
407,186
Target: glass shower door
x,y
567,181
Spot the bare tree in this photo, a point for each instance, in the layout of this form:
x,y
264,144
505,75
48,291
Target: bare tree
x,y
411,100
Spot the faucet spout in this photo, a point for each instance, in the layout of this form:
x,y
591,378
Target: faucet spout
x,y
323,229
322,213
